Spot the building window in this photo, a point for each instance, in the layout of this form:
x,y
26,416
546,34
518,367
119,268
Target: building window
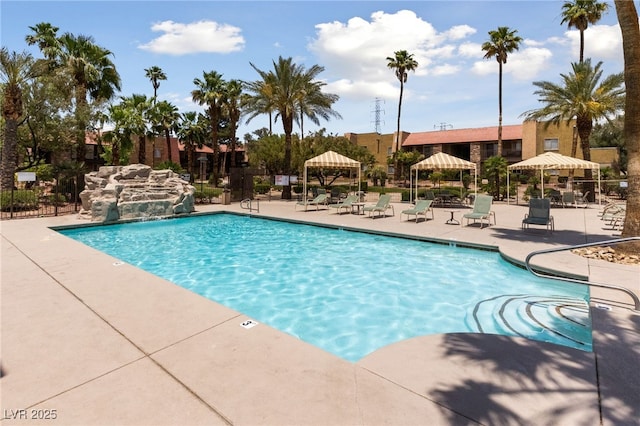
x,y
389,152
427,150
551,144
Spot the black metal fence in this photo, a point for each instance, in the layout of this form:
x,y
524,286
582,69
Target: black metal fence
x,y
40,201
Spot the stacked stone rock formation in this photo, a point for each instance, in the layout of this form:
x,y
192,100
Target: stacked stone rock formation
x,y
135,191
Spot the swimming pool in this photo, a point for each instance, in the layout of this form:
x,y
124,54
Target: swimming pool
x,y
346,292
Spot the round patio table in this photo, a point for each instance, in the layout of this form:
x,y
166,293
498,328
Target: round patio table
x,y
452,220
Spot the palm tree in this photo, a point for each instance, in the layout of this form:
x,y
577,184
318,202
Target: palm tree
x,y
283,90
315,104
579,14
260,102
192,133
495,169
88,65
211,92
583,97
232,108
628,19
401,63
119,137
165,115
137,114
501,42
16,69
155,74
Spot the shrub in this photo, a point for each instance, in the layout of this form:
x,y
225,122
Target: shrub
x,y
170,165
22,200
263,188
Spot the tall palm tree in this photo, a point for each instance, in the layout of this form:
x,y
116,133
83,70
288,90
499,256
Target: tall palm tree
x,y
211,92
402,62
232,109
581,96
501,42
579,14
192,133
628,19
315,104
16,70
155,75
284,89
164,116
89,66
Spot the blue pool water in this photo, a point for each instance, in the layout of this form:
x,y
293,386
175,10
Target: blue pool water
x,y
346,292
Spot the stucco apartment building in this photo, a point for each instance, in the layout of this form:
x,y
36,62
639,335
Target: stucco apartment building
x,y
519,142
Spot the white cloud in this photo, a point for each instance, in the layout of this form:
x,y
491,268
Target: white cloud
x,y
471,50
600,42
355,51
521,65
195,37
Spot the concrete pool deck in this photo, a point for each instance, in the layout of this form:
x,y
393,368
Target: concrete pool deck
x,y
91,341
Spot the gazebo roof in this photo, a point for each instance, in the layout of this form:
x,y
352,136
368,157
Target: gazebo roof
x,y
331,159
554,161
443,161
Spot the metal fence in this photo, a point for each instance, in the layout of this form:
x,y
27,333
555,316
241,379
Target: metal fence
x,y
40,201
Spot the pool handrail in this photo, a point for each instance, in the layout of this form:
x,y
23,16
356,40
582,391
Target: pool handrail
x,y
629,292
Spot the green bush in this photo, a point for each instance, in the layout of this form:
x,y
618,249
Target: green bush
x,y
22,200
170,165
263,188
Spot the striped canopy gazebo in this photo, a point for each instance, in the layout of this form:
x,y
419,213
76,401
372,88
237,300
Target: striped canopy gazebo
x,y
553,161
330,159
442,161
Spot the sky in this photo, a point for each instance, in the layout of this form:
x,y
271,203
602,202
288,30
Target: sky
x,y
452,87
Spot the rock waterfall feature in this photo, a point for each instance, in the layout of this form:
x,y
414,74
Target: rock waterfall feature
x,y
135,191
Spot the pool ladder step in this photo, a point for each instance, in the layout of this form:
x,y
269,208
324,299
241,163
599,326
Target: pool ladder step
x,y
532,317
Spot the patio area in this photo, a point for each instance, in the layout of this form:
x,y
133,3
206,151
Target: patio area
x,y
87,340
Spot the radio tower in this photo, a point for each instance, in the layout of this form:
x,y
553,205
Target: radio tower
x,y
376,113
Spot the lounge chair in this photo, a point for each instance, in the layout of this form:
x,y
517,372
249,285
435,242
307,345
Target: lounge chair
x,y
346,204
481,211
539,214
381,207
318,201
568,198
421,208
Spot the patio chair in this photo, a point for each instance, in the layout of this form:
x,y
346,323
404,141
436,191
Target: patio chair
x,y
318,201
568,198
381,207
481,211
539,214
421,208
583,200
346,204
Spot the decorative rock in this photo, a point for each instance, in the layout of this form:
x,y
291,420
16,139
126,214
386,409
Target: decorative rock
x,y
135,191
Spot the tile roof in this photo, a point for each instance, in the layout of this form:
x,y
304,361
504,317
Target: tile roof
x,y
480,134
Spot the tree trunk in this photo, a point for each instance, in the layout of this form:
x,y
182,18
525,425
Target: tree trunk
x,y
287,123
499,154
9,154
396,168
213,114
628,19
168,139
585,125
142,149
